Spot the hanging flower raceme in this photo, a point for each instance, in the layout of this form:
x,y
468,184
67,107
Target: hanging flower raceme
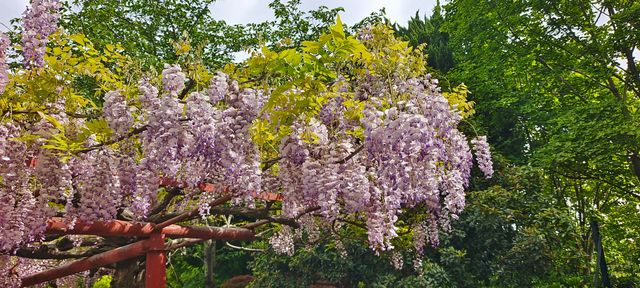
x,y
117,113
15,199
282,242
483,155
4,68
413,154
165,140
97,186
39,21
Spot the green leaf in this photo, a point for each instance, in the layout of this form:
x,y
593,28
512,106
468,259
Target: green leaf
x,y
337,30
78,38
52,120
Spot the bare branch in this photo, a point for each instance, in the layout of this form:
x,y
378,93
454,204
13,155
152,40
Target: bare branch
x,y
244,212
351,155
176,244
187,88
50,252
173,193
116,140
244,248
192,213
270,162
282,220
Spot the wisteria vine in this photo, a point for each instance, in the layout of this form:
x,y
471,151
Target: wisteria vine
x,y
409,153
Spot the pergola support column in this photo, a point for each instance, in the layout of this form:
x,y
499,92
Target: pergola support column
x,y
156,272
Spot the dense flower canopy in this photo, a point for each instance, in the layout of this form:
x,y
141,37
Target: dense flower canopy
x,y
402,148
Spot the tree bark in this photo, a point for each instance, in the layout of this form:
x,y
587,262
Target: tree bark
x,y
601,266
128,274
635,163
210,264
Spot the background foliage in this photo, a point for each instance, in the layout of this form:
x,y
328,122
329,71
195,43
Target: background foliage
x,y
555,86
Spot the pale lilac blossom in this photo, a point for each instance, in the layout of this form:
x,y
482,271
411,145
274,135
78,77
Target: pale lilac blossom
x,y
40,20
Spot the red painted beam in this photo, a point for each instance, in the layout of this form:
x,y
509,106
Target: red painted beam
x,y
117,228
57,226
113,256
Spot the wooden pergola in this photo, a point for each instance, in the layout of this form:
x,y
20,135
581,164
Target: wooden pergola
x,y
153,246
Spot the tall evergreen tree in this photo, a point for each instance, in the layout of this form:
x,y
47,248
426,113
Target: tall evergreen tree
x,y
429,30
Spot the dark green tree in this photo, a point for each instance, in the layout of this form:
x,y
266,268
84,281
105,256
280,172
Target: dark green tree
x,y
513,235
557,85
147,29
151,31
345,262
429,30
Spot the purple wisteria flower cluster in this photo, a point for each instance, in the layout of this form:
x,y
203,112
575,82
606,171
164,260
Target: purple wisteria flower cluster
x,y
13,268
97,183
193,142
4,68
413,154
23,205
483,155
39,21
202,141
117,113
283,241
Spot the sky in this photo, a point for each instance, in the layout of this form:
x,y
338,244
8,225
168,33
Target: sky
x,y
10,9
248,11
355,10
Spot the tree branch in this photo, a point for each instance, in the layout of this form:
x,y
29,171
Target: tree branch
x,y
187,88
282,220
351,155
250,214
50,252
176,244
244,248
270,162
173,193
192,213
113,141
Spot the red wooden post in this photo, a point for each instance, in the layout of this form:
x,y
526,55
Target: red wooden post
x,y
156,274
